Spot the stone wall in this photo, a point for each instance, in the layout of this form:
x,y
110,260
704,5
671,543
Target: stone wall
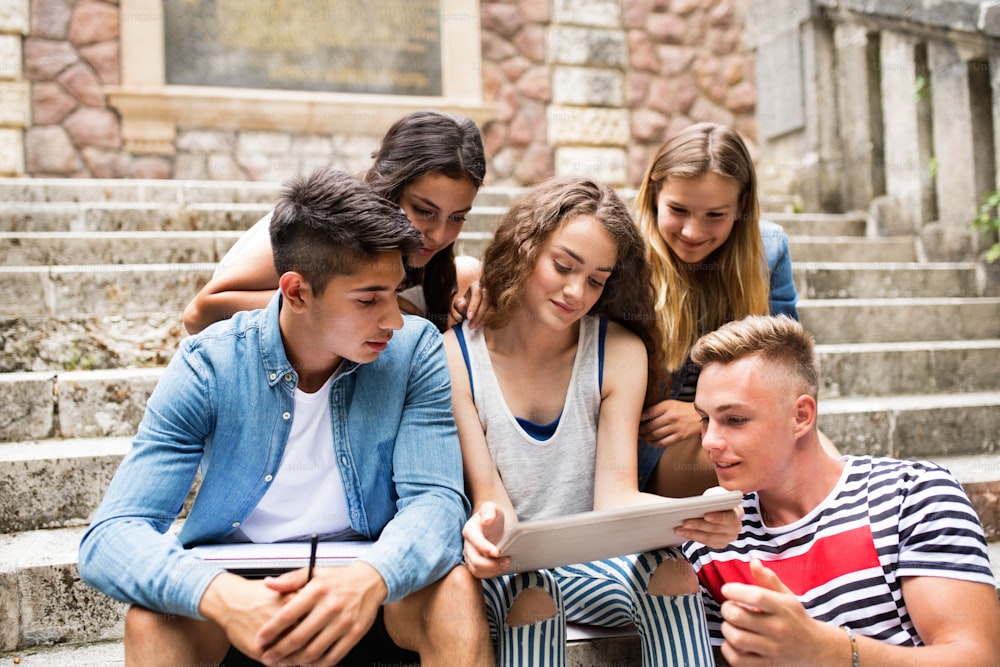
x,y
575,86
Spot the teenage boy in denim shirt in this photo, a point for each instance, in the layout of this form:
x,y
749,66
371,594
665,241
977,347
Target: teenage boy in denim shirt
x,y
326,412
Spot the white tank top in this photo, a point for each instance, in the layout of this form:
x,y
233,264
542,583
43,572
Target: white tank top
x,y
544,478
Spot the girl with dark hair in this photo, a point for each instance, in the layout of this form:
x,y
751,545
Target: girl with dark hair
x,y
432,165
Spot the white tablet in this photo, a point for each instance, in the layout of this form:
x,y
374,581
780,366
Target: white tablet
x,y
588,536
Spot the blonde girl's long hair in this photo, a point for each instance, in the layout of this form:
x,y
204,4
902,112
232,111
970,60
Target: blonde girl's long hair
x,y
735,282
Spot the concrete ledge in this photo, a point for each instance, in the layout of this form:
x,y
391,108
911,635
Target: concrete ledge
x,y
867,369
980,477
820,224
926,426
885,320
55,483
69,248
43,343
77,291
867,280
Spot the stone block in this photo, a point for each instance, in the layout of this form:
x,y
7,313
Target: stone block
x,y
57,607
589,47
126,289
954,427
105,402
886,320
26,405
600,13
857,432
10,57
580,126
10,614
14,16
583,86
55,484
780,72
608,165
839,280
11,152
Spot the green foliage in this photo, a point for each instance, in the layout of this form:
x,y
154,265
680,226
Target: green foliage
x,y
989,221
78,360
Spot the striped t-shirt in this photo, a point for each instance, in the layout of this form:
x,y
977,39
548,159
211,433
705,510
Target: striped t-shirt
x,y
884,520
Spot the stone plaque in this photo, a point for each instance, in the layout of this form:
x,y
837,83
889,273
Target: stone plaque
x,y
358,46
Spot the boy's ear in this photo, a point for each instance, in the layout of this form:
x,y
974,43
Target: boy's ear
x,y
295,290
805,414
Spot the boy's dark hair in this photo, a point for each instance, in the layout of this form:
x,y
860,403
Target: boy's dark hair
x,y
326,223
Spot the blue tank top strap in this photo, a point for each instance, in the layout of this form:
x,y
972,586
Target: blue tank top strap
x,y
465,355
602,332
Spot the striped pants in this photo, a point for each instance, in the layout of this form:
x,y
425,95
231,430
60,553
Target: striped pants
x,y
608,593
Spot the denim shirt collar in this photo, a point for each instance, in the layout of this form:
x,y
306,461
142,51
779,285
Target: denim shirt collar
x,y
272,347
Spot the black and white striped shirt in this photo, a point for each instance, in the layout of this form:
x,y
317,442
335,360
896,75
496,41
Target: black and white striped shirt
x,y
884,520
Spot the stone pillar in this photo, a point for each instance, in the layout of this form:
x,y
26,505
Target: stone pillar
x,y
956,152
860,111
796,102
14,90
587,124
908,180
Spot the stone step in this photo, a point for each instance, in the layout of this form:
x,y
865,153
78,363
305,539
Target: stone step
x,y
866,280
42,343
108,216
95,290
58,481
871,369
56,248
198,191
857,248
75,248
74,404
884,320
51,618
917,426
43,601
135,190
980,477
103,402
77,290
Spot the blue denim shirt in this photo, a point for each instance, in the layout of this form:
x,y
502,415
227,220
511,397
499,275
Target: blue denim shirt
x,y
224,406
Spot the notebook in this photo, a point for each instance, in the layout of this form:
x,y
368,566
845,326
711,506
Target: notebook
x,y
588,536
249,559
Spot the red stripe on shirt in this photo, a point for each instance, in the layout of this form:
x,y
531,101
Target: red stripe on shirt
x,y
828,558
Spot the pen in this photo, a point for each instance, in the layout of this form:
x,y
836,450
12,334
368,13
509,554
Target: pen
x,y
312,555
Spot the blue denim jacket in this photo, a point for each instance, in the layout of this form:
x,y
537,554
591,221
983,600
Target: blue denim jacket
x,y
783,297
224,405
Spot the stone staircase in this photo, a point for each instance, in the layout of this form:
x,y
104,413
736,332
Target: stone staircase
x,y
95,274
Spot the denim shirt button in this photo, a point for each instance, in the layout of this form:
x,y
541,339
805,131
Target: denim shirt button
x,y
273,375
288,377
268,478
236,524
343,459
286,415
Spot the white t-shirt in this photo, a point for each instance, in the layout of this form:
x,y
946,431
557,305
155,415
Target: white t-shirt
x,y
306,495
